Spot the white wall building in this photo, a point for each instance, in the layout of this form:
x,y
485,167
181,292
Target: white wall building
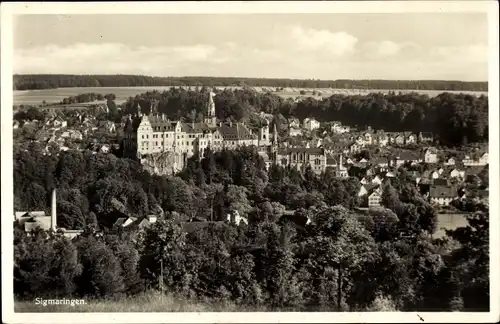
x,y
311,124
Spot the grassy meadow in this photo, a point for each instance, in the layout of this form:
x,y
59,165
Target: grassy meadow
x,y
449,222
146,302
153,301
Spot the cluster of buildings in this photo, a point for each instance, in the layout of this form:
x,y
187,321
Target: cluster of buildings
x,y
56,133
148,137
440,184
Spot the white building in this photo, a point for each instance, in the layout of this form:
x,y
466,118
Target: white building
x,y
430,156
311,124
30,220
339,129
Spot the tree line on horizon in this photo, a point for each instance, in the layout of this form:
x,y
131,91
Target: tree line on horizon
x,y
53,81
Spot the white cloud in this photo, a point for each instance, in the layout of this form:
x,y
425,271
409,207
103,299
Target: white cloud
x,y
300,53
388,50
109,58
308,39
471,53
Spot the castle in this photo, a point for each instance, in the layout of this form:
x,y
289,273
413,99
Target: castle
x,y
163,145
148,137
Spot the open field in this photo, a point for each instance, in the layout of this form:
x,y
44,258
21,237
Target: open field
x,y
448,222
35,97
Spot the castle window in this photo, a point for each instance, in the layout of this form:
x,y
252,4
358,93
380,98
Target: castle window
x,y
142,136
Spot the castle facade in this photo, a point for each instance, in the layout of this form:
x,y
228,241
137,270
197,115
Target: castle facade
x,y
153,135
163,145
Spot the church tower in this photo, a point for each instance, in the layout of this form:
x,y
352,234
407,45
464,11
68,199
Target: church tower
x,y
264,133
153,111
210,119
275,135
139,110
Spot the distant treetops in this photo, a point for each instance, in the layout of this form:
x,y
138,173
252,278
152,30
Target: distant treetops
x,y
50,81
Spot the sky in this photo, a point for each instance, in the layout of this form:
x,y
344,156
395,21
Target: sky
x,y
405,46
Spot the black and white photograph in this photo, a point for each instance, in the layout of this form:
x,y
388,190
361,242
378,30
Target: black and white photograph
x,y
250,162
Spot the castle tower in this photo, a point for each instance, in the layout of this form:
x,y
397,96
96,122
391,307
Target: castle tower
x,y
144,131
211,120
264,133
211,105
275,135
152,108
53,223
139,110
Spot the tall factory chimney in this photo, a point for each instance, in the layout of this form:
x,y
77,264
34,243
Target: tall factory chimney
x,y
53,222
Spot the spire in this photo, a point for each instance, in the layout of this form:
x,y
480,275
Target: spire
x,y
139,110
152,108
211,105
275,134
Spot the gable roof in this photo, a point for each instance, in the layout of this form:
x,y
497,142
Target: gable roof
x,y
370,186
44,222
442,192
306,150
235,132
27,214
440,182
473,170
380,160
405,155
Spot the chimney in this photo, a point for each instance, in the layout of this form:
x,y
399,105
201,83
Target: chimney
x,y
53,223
230,123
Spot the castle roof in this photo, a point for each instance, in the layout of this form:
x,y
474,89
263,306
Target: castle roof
x,y
195,127
235,132
311,150
442,192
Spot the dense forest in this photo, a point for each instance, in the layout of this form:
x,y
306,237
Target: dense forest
x,y
454,119
51,81
342,260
